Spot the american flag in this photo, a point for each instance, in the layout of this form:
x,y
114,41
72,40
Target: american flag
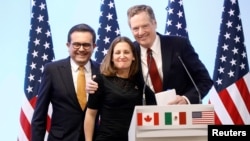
x,y
230,93
203,117
108,29
176,22
40,52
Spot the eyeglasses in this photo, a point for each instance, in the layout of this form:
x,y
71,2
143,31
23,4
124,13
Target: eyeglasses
x,y
78,45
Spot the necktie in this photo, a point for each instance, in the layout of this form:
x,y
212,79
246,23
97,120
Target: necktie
x,y
153,72
81,92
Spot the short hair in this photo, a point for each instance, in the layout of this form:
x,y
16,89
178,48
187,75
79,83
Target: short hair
x,y
82,28
107,66
136,9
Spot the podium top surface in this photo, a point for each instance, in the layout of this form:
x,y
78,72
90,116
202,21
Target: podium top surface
x,y
173,116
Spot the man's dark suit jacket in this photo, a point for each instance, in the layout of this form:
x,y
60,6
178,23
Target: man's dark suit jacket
x,y
174,74
67,117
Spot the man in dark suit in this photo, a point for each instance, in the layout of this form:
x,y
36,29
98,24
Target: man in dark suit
x,y
168,51
58,87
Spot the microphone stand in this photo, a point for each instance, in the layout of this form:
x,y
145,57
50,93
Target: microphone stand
x,y
189,75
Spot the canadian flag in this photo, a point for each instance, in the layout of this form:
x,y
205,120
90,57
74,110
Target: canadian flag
x,y
148,119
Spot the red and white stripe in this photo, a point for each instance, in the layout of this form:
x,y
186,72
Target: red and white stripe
x,y
26,114
232,105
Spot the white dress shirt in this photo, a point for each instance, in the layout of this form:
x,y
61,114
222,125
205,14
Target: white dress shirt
x,y
156,52
87,69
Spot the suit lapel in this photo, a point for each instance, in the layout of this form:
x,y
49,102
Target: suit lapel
x,y
167,54
138,49
94,67
66,75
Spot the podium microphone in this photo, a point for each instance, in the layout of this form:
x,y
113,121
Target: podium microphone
x,y
191,78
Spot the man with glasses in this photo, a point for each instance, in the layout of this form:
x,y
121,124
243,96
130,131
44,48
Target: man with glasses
x,y
59,87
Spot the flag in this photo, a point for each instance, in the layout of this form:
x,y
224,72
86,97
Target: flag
x,y
230,93
148,119
40,52
175,118
176,22
108,29
203,117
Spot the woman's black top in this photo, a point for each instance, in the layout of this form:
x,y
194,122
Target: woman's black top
x,y
115,100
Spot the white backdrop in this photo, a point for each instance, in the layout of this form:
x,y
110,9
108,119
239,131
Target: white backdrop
x,y
203,23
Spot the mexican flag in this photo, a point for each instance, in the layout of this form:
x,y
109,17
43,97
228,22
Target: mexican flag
x,y
175,118
148,119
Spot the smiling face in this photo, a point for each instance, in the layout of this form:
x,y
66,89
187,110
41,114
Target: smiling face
x,y
122,57
81,47
143,29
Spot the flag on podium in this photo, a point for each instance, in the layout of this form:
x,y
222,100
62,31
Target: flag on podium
x,y
148,119
230,93
203,117
40,52
175,118
176,22
108,29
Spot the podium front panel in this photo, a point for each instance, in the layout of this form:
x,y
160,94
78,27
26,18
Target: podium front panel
x,y
171,122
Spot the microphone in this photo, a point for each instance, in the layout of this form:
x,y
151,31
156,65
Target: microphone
x,y
146,81
191,78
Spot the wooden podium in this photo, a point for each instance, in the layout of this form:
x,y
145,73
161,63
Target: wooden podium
x,y
171,123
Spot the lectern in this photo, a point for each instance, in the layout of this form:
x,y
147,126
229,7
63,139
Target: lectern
x,y
171,123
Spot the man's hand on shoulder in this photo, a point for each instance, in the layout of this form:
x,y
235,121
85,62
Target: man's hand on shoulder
x,y
91,86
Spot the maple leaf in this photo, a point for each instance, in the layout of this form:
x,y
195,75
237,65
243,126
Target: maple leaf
x,y
147,118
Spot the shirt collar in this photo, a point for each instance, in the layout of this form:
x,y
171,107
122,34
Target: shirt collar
x,y
74,66
155,47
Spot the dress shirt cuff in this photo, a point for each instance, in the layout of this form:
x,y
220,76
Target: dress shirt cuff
x,y
188,102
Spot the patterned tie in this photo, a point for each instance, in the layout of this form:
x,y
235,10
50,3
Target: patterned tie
x,y
153,72
81,92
